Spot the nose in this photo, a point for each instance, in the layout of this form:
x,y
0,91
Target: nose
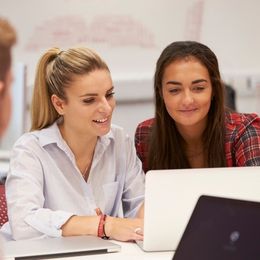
x,y
104,106
188,97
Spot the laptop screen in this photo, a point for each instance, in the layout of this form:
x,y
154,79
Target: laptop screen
x,y
171,195
221,228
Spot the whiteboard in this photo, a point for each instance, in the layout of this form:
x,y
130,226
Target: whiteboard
x,y
130,34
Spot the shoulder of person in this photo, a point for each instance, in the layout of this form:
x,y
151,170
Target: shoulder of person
x,y
235,118
148,123
240,121
27,138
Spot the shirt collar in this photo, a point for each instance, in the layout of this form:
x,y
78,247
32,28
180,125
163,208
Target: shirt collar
x,y
52,134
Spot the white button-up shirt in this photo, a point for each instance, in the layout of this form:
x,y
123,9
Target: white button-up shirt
x,y
45,188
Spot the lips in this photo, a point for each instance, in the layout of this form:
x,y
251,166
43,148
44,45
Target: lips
x,y
100,121
188,110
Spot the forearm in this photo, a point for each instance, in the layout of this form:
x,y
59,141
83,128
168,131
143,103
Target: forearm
x,y
27,224
81,225
115,228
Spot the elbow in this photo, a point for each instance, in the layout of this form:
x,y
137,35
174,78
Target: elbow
x,y
21,231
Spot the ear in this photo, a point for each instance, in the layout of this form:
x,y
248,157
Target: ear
x,y
58,104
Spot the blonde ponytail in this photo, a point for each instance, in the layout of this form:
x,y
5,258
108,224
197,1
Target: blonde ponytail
x,y
43,112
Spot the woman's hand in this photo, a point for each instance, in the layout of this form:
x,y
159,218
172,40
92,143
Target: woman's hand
x,y
124,229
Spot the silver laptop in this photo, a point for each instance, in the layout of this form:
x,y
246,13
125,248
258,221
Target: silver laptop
x,y
170,196
221,228
48,248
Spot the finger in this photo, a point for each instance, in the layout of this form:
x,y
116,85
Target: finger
x,y
139,231
138,237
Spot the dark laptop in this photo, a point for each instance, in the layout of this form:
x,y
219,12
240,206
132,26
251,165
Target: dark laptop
x,y
221,229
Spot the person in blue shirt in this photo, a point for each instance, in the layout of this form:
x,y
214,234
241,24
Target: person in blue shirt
x,y
74,173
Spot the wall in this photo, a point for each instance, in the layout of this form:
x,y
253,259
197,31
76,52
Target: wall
x,y
130,35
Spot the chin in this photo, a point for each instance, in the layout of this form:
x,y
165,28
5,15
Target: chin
x,y
188,123
104,131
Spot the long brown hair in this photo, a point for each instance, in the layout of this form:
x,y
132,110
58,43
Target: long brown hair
x,y
166,149
55,71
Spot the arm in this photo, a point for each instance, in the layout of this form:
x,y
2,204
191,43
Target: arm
x,y
81,225
115,228
29,216
25,197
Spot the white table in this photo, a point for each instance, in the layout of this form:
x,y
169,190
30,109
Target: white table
x,y
129,251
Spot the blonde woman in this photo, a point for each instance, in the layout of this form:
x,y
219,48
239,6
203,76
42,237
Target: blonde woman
x,y
74,173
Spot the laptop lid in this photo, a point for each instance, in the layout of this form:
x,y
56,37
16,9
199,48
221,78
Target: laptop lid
x,y
58,247
170,197
221,228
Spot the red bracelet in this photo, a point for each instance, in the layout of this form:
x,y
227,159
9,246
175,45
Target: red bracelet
x,y
104,232
101,227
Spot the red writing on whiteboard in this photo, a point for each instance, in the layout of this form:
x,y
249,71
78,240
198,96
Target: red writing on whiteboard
x,y
111,30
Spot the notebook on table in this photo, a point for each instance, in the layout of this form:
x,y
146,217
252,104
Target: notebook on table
x,y
170,197
221,228
48,248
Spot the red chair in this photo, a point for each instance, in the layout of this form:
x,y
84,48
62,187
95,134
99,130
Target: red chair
x,y
3,206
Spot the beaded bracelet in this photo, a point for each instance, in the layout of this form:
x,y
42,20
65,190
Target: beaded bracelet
x,y
101,227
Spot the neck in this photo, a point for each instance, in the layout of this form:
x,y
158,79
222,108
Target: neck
x,y
83,148
81,145
193,140
192,135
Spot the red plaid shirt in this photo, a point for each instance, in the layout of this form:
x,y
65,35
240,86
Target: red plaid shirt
x,y
242,140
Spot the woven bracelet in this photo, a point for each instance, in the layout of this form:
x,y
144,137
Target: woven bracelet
x,y
101,227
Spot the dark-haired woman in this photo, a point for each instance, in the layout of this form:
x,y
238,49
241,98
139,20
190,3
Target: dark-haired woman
x,y
192,127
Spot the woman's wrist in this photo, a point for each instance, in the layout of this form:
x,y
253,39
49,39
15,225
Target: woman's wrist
x,y
104,229
108,226
101,232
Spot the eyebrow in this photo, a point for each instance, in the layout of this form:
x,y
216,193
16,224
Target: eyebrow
x,y
173,82
95,94
199,81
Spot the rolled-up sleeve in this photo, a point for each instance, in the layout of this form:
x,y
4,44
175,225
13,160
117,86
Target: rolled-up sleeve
x,y
25,197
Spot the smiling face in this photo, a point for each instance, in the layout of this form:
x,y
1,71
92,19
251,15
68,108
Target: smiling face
x,y
187,93
89,105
